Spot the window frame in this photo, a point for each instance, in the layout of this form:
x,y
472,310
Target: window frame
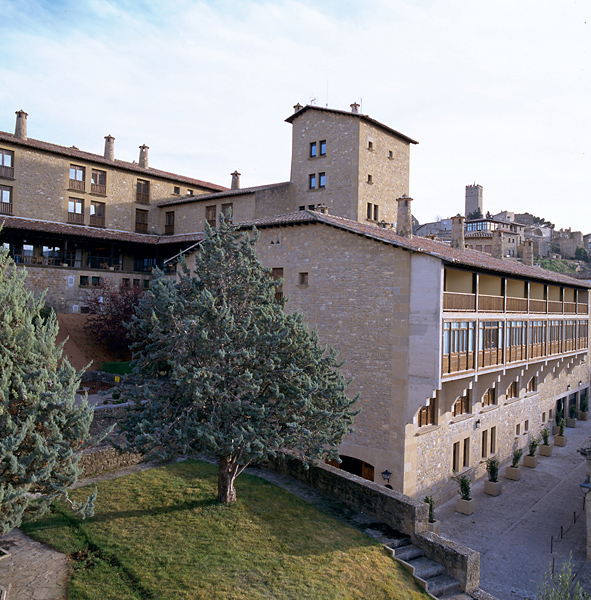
x,y
142,194
78,182
6,170
6,206
76,216
97,212
312,181
141,220
321,180
313,149
211,215
96,187
322,145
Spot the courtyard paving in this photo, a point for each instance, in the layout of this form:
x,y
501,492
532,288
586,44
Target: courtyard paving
x,y
513,532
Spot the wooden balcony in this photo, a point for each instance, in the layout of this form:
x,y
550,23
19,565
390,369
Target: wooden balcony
x,y
582,309
517,305
141,228
96,221
77,185
490,303
537,306
7,172
6,208
454,301
97,188
142,197
168,229
570,308
75,218
555,307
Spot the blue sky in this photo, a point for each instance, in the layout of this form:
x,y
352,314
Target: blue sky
x,y
496,91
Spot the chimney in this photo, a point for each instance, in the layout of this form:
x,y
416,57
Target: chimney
x,y
498,244
355,108
322,208
457,232
143,162
20,131
404,219
109,147
235,180
297,107
528,253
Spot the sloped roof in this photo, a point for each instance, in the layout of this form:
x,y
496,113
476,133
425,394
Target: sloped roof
x,y
214,196
452,256
360,116
97,158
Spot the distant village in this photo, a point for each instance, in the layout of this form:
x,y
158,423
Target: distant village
x,y
513,229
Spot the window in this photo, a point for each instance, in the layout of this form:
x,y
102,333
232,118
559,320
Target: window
x,y
376,212
490,397
146,284
277,274
322,147
458,346
484,445
136,283
390,154
313,150
98,182
176,190
493,440
370,145
516,341
490,343
513,390
189,192
76,211
532,384
302,208
427,414
169,223
97,214
370,179
466,462
543,418
96,281
5,200
143,191
210,215
6,163
322,180
312,182
141,221
526,426
455,462
311,207
77,177
369,210
227,211
83,280
462,405
303,278
537,339
518,429
125,282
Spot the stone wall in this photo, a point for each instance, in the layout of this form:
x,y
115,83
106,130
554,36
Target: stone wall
x,y
99,460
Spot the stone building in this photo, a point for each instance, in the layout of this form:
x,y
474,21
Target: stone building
x,y
457,355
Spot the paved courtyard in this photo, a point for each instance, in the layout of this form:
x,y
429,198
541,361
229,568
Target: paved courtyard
x,y
513,531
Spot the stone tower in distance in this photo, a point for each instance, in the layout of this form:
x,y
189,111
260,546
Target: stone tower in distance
x,y
474,199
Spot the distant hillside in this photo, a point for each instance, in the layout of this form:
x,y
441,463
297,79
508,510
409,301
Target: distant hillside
x,y
575,268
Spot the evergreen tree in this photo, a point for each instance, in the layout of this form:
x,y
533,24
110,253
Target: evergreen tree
x,y
561,586
223,370
42,429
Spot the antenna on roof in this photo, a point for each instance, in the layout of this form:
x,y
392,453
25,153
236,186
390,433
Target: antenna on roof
x,y
361,105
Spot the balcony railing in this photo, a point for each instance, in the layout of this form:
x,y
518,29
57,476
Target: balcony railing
x,y
518,305
570,308
142,197
490,303
98,188
554,306
7,172
6,208
168,229
582,309
457,301
141,228
96,221
75,218
77,185
537,306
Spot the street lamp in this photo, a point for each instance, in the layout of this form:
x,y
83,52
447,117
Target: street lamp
x,y
386,476
585,488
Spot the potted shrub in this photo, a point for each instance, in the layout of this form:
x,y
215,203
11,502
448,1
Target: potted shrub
x,y
560,438
572,414
584,408
531,460
545,448
493,486
434,524
513,471
465,503
559,417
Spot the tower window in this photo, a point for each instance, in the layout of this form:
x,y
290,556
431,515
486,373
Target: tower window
x,y
312,181
323,148
313,150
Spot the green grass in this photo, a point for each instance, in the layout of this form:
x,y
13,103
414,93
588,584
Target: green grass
x,y
161,534
558,265
119,368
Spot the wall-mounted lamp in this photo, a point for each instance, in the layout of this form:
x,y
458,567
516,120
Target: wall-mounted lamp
x,y
568,387
386,476
478,424
585,488
580,383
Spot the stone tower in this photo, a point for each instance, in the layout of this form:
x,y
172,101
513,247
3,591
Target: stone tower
x,y
474,199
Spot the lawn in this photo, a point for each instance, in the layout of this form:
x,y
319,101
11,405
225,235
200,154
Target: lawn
x,y
161,534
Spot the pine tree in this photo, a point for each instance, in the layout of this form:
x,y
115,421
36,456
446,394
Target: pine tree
x,y
42,429
223,370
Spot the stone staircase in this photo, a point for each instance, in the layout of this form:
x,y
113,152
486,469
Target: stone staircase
x,y
430,575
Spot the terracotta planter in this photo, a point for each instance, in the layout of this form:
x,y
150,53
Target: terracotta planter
x,y
531,462
465,507
545,450
560,440
583,416
435,527
493,488
513,473
571,422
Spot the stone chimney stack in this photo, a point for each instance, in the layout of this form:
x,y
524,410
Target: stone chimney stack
x,y
355,108
20,131
528,253
498,244
404,218
297,107
143,162
322,208
457,232
235,180
109,147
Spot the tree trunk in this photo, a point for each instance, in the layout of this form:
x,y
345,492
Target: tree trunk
x,y
226,475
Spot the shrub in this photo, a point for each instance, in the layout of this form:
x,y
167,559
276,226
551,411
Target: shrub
x,y
585,404
119,368
545,433
465,485
492,468
517,454
532,445
561,425
572,411
429,500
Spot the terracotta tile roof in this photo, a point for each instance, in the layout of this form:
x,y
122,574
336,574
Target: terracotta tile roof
x,y
97,158
361,116
225,194
452,256
97,233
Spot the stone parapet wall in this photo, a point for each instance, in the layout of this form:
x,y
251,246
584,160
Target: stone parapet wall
x,y
99,460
